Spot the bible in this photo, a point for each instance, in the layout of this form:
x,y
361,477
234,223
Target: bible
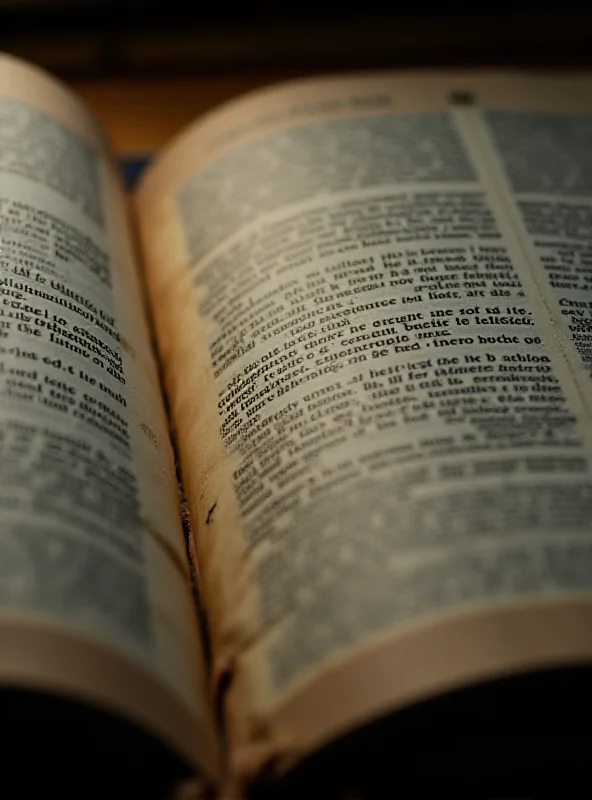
x,y
296,439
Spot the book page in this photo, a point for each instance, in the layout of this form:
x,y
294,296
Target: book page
x,y
95,591
372,302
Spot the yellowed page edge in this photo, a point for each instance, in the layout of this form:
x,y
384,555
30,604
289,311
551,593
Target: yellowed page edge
x,y
325,704
168,698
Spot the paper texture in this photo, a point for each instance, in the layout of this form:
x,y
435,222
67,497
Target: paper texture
x,y
370,298
94,569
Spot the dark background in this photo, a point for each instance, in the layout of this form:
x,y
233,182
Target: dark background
x,y
90,39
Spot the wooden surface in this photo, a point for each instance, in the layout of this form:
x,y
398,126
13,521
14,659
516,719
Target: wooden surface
x,y
143,115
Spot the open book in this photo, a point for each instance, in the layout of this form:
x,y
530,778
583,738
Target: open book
x,y
352,319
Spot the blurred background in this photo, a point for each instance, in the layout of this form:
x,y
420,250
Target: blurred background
x,y
130,57
95,38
